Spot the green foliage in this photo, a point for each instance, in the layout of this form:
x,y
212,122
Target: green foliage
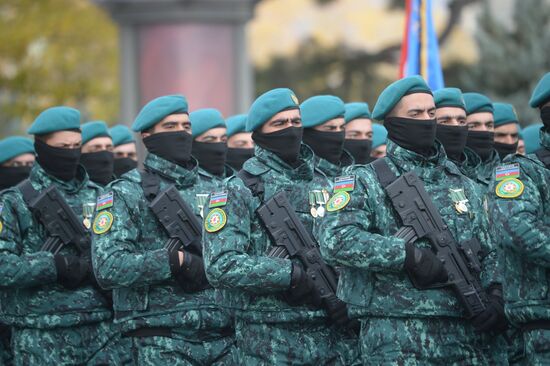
x,y
56,52
512,56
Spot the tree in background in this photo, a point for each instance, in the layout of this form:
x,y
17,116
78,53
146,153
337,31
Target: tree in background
x,y
512,57
56,52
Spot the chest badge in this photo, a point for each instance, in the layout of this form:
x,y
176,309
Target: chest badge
x,y
215,220
88,212
459,199
338,201
200,199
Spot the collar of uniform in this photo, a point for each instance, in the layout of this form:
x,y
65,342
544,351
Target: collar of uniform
x,y
304,171
40,179
487,168
333,170
182,176
471,161
428,168
545,137
227,173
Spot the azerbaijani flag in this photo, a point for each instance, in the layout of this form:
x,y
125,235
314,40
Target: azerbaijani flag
x,y
218,199
507,171
420,50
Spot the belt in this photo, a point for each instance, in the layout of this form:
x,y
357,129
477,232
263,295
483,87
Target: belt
x,y
537,324
149,332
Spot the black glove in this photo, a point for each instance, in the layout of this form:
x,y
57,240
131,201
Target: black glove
x,y
301,287
71,270
492,319
424,266
337,311
190,275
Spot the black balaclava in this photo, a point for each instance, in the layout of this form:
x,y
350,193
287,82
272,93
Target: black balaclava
x,y
359,149
99,165
284,143
237,156
482,142
59,162
124,165
416,135
11,176
505,149
211,156
545,117
172,146
453,139
326,145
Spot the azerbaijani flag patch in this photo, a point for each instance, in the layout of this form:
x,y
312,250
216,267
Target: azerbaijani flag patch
x,y
105,201
507,171
218,199
346,183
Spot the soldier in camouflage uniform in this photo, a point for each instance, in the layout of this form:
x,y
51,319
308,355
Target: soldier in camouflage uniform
x,y
210,147
97,152
323,122
162,299
259,287
401,324
541,99
57,315
124,149
481,125
240,146
521,209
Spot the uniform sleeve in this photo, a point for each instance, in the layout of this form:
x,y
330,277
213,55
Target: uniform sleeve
x,y
348,237
520,222
117,258
18,270
229,254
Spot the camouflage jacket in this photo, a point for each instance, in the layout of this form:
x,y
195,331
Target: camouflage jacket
x,y
544,140
130,257
481,171
236,254
30,296
333,170
470,165
524,224
359,237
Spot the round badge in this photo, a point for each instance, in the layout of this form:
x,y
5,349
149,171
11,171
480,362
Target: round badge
x,y
215,220
103,222
338,201
509,188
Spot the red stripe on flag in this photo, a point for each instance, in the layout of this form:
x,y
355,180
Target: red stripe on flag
x,y
405,43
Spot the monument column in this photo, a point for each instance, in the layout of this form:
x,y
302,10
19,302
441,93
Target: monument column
x,y
193,47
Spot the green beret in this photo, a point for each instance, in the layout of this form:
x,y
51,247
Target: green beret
x,y
236,124
55,119
155,111
379,135
320,109
449,97
504,113
121,135
393,93
541,94
269,104
477,103
203,120
356,110
14,146
93,129
531,137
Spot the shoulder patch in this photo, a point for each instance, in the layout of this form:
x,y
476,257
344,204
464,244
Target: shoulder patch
x,y
507,171
218,199
105,201
103,222
215,220
338,201
509,188
344,183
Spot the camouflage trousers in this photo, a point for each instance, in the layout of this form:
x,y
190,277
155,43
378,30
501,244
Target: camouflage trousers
x,y
495,348
294,344
91,344
6,356
180,349
415,341
531,348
